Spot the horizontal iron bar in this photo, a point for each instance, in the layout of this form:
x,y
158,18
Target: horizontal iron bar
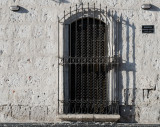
x,y
85,60
85,101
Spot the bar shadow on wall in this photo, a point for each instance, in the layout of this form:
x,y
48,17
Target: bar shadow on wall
x,y
61,1
128,68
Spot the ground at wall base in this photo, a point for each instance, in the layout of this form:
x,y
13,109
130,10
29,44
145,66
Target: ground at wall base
x,y
77,124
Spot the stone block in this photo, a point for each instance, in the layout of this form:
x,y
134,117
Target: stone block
x,y
147,16
14,79
24,31
38,113
21,47
46,15
32,15
43,96
3,15
3,63
2,2
32,49
5,47
12,63
43,63
24,63
50,81
15,17
129,96
145,81
33,80
4,94
20,113
50,111
28,2
2,31
21,96
45,3
6,113
151,114
10,31
38,31
50,33
45,47
139,96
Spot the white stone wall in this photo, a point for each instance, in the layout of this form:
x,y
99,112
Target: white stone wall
x,y
29,57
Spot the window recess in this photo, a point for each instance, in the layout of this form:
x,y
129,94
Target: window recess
x,y
88,59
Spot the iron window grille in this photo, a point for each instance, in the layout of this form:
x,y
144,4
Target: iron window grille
x,y
88,59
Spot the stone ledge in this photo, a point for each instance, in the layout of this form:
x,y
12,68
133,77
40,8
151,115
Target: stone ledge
x,y
89,117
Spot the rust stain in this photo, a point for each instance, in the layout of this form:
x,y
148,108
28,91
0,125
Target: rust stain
x,y
30,77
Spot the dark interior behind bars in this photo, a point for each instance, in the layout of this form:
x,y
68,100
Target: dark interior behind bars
x,y
88,68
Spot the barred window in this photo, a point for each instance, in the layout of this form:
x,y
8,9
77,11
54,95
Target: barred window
x,y
89,62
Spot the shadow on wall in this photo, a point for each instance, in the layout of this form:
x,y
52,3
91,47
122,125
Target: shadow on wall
x,y
22,10
154,8
127,87
61,1
128,68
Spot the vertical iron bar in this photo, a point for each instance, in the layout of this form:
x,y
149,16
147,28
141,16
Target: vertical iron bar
x,y
113,62
64,43
99,68
70,74
81,59
109,75
118,60
112,75
93,59
116,57
106,57
87,56
96,52
65,48
58,65
108,63
114,92
76,64
65,67
115,66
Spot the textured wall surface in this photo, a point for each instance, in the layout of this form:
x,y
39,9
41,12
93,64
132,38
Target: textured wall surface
x,y
29,57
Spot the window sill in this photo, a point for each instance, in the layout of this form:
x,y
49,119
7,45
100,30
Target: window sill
x,y
89,117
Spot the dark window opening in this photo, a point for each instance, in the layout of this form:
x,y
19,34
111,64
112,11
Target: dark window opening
x,y
88,65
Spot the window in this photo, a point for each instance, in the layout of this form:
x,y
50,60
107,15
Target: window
x,y
88,63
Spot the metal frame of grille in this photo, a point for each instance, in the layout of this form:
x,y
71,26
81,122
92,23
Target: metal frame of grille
x,y
88,59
